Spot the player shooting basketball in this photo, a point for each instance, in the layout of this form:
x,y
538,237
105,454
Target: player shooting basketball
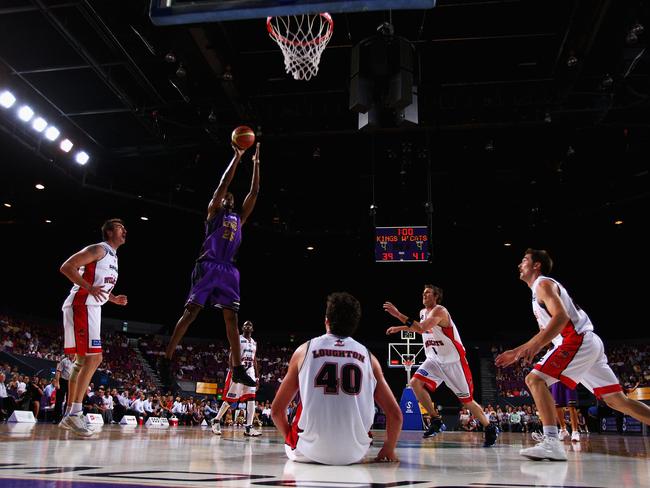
x,y
215,279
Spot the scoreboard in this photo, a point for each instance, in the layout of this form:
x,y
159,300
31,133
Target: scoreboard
x,y
402,244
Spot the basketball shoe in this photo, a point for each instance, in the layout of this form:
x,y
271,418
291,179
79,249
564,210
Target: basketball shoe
x,y
546,448
250,432
215,425
77,425
491,434
563,434
575,436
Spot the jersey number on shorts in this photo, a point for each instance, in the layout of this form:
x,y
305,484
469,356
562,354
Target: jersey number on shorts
x,y
328,379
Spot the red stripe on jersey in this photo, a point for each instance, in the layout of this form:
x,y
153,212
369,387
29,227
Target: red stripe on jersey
x,y
292,437
429,384
604,390
449,332
226,387
80,321
89,277
558,361
247,398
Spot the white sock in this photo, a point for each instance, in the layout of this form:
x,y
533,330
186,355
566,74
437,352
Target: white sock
x,y
551,431
222,411
250,412
67,410
75,409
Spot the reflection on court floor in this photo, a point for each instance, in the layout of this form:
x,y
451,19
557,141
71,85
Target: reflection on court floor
x,y
44,456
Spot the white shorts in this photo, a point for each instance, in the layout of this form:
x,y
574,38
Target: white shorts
x,y
236,392
457,376
81,328
579,359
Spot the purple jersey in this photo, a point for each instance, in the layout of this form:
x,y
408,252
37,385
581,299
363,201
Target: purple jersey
x,y
222,237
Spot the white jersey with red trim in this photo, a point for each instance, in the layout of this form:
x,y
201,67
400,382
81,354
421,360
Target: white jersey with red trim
x,y
102,272
248,350
442,344
577,317
337,387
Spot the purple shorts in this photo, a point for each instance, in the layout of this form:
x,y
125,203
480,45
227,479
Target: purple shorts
x,y
563,395
216,285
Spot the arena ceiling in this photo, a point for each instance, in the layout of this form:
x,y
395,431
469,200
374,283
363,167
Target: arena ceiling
x,y
533,119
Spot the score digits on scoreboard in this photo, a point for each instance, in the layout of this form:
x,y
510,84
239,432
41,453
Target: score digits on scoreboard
x,y
401,244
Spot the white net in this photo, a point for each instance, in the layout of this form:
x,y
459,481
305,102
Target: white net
x,y
303,39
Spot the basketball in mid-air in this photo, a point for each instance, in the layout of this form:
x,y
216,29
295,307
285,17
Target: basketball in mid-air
x,y
243,137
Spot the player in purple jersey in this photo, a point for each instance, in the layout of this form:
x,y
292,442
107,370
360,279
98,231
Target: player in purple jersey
x,y
215,279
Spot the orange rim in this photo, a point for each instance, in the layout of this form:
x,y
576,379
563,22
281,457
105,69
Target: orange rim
x,y
280,38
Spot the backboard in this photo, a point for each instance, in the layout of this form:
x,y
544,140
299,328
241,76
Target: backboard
x,y
174,12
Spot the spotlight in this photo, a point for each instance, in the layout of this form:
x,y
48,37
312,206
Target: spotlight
x,y
310,248
8,205
144,218
571,61
48,221
25,113
7,99
181,72
66,145
52,133
618,222
170,57
507,244
39,186
637,29
81,157
607,82
39,124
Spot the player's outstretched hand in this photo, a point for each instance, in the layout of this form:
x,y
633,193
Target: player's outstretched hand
x,y
391,309
392,330
120,300
256,156
239,152
506,358
386,456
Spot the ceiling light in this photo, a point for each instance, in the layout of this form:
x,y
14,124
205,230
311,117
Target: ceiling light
x,y
48,221
81,157
52,133
39,124
310,248
8,205
39,186
618,222
507,244
66,145
144,218
7,99
25,113
571,61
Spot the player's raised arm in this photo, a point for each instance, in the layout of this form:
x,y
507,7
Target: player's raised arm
x,y
226,179
410,324
251,198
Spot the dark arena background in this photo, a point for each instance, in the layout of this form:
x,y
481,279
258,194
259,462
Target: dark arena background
x,y
497,125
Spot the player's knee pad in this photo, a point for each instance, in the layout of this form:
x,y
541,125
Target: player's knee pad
x,y
76,367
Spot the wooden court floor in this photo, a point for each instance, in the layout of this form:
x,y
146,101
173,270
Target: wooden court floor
x,y
42,456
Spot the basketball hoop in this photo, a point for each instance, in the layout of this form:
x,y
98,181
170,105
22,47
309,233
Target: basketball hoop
x,y
407,365
302,39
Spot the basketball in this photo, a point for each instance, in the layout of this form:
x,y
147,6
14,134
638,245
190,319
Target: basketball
x,y
243,137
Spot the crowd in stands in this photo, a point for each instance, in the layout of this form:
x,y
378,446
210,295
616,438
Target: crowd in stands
x,y
521,418
208,361
631,364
